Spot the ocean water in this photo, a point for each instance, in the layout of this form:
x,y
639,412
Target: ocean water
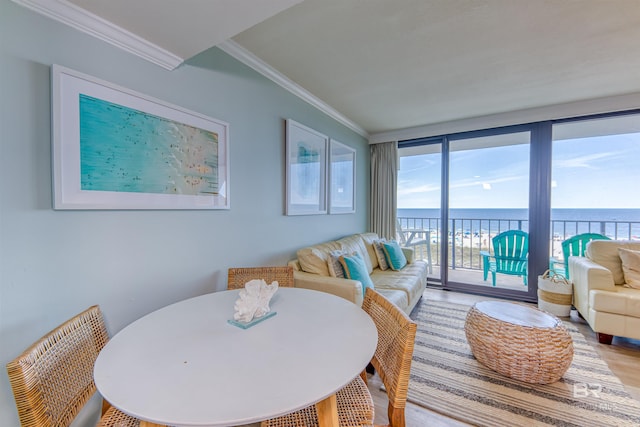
x,y
615,223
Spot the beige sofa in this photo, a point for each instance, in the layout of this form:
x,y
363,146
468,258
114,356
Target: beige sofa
x,y
599,291
404,287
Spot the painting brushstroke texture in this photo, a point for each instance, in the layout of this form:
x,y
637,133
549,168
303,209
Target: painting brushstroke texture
x,y
127,150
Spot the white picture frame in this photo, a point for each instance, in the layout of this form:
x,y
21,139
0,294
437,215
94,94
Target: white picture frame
x,y
342,178
114,148
306,170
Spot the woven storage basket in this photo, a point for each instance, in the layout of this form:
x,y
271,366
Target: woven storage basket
x,y
555,294
533,354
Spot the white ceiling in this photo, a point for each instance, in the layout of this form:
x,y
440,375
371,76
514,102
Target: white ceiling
x,y
393,64
185,27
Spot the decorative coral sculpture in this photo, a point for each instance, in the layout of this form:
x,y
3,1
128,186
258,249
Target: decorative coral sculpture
x,y
253,301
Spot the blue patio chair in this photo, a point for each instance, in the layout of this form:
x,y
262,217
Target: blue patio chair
x,y
573,246
510,255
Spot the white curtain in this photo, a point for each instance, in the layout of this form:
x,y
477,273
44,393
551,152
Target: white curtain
x,y
384,186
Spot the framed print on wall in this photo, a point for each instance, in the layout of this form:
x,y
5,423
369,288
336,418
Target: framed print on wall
x,y
114,148
306,174
342,178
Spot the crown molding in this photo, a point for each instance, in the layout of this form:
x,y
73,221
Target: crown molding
x,y
78,18
82,20
243,55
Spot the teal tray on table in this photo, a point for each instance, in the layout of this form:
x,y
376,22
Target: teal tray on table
x,y
247,325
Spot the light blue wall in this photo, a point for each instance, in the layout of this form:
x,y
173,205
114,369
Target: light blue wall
x,y
53,264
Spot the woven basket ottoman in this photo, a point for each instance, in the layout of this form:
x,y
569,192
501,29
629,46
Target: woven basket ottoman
x,y
518,341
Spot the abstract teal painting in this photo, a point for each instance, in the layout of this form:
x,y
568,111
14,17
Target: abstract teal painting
x,y
306,154
342,178
114,148
126,150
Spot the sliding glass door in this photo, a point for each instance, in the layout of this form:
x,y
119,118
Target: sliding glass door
x,y
419,201
500,202
595,177
468,195
488,211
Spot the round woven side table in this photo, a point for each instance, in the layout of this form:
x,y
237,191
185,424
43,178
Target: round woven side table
x,y
518,341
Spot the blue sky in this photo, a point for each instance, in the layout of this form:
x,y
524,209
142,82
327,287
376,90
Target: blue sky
x,y
597,172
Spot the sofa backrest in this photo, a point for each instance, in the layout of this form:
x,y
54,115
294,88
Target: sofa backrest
x,y
313,259
368,239
605,253
355,243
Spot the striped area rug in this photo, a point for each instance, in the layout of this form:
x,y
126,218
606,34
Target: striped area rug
x,y
446,378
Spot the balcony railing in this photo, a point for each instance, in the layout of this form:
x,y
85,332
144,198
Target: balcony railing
x,y
468,236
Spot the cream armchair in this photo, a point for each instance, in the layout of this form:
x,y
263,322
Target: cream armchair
x,y
599,291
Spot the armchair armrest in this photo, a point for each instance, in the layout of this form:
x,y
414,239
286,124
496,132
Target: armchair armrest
x,y
485,254
409,254
587,276
346,288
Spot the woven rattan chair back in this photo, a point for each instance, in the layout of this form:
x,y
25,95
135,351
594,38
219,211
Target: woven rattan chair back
x,y
53,379
237,277
392,358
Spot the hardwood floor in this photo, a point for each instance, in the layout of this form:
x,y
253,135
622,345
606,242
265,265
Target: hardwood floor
x,y
623,358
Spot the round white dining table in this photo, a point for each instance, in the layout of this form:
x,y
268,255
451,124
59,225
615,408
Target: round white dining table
x,y
185,365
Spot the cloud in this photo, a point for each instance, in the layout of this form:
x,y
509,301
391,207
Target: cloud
x,y
586,160
404,190
407,169
473,183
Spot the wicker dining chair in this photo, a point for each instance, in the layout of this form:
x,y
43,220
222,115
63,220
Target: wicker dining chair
x,y
53,379
392,360
237,277
355,408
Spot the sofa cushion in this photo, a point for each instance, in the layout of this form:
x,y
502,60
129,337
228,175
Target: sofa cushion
x,y
630,267
409,280
398,297
355,269
354,243
625,301
605,253
615,324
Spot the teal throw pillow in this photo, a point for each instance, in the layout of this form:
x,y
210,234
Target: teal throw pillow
x,y
355,269
395,256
